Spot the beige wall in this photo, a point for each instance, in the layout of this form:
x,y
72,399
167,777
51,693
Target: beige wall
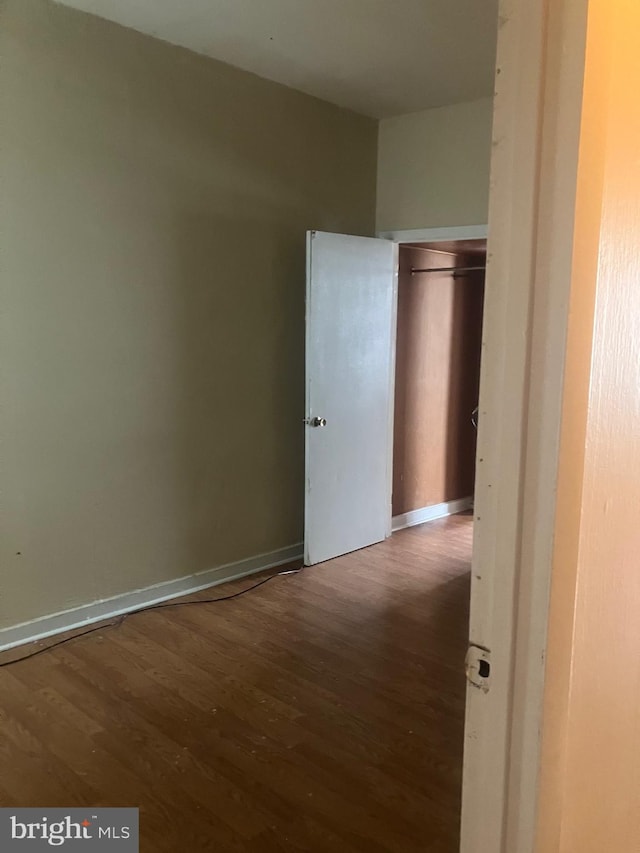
x,y
433,167
590,778
153,212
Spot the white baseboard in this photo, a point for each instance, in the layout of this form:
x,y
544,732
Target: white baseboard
x,y
430,513
107,608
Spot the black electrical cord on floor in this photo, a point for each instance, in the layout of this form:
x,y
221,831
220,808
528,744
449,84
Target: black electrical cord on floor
x,y
120,619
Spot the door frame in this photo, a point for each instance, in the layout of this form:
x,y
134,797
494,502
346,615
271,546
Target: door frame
x,y
534,170
452,234
534,166
435,235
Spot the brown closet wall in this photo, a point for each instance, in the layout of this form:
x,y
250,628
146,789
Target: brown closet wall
x,y
437,379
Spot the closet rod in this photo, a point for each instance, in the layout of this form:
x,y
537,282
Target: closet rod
x,y
454,270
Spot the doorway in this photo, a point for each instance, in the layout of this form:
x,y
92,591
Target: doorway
x,y
437,378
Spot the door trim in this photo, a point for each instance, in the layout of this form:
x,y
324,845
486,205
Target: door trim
x,y
432,235
392,385
535,151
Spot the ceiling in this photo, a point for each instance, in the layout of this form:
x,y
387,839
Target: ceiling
x,y
377,57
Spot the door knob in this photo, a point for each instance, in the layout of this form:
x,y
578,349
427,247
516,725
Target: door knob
x,y
316,422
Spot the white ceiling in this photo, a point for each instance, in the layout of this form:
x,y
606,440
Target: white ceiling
x,y
378,57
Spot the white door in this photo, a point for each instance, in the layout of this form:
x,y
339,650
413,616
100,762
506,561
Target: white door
x,y
350,356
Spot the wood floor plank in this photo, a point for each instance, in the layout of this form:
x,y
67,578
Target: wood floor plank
x,y
321,712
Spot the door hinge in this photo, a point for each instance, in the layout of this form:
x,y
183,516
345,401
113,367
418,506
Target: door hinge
x,y
478,667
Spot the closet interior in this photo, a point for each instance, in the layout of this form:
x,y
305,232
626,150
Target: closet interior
x,y
439,338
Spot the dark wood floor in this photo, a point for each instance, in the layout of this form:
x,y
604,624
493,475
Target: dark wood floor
x,y
321,712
